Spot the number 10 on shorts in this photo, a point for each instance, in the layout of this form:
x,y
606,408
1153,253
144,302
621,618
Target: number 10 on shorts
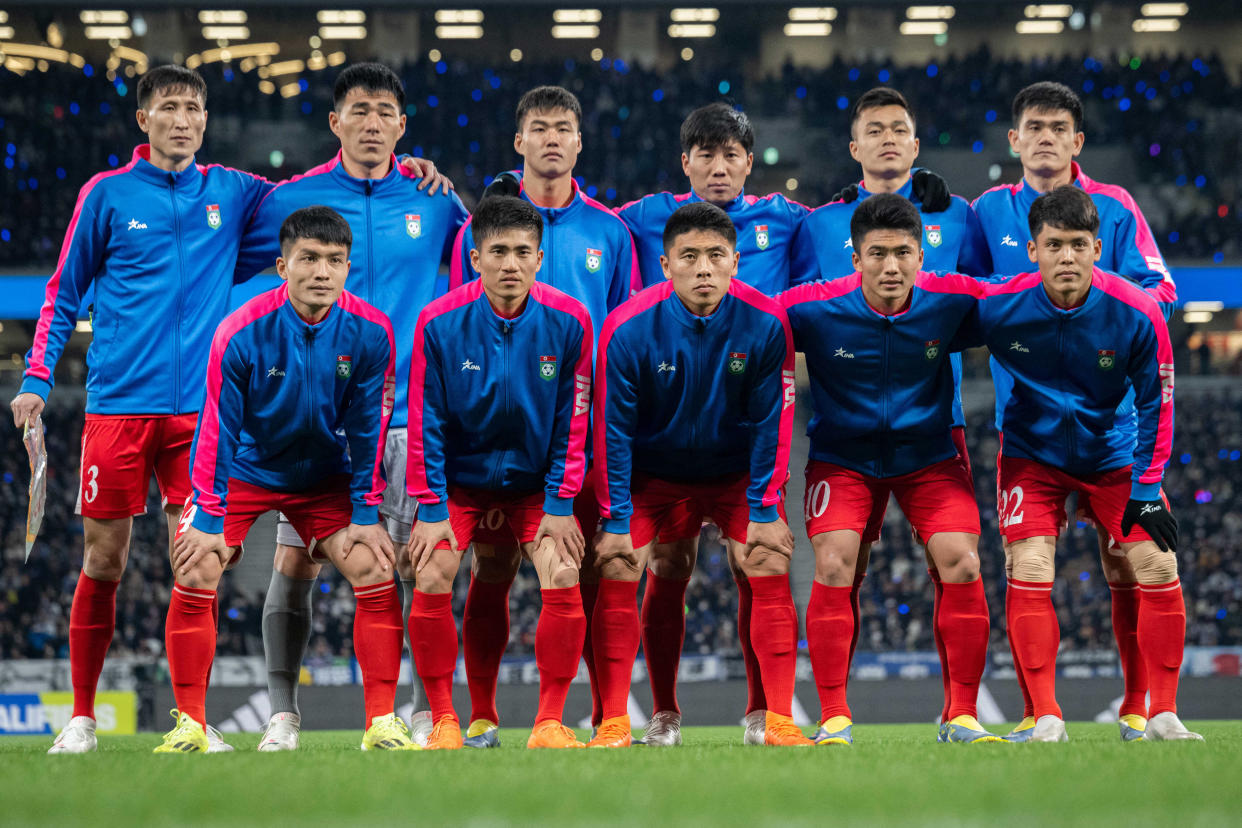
x,y
816,500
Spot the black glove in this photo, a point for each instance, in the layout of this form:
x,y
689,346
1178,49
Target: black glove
x,y
930,191
847,194
505,184
1155,519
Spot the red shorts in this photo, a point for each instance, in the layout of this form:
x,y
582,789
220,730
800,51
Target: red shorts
x,y
119,454
316,514
506,518
675,511
492,528
1030,500
937,498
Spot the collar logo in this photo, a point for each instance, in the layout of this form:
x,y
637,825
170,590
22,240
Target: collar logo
x,y
934,237
213,217
761,236
547,368
413,225
594,260
344,366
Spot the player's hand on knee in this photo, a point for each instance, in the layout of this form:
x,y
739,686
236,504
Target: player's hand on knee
x,y
613,549
375,538
26,407
774,536
432,179
1154,517
566,538
193,546
424,539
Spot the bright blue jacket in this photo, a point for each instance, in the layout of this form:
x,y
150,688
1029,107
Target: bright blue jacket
x,y
499,404
952,243
690,398
291,404
1071,370
1129,249
159,248
882,385
765,228
587,253
401,237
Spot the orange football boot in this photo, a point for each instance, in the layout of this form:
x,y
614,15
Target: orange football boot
x,y
781,730
613,733
446,735
552,734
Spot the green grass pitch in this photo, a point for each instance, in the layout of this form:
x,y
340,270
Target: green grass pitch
x,y
893,775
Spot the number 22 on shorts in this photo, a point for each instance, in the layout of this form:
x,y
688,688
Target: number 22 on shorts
x,y
1011,512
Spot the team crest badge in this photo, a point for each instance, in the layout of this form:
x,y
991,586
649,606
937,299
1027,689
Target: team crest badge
x,y
761,236
344,366
934,236
547,368
931,348
413,225
595,258
736,363
213,217
1106,359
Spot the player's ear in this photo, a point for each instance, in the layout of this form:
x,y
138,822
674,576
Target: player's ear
x,y
1099,249
750,162
282,268
141,117
334,123
517,144
916,149
857,261
921,253
1013,141
1030,250
664,258
737,257
538,259
854,151
685,164
474,260
1080,138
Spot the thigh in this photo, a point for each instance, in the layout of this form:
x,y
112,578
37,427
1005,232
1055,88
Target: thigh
x,y
1030,499
524,514
117,460
319,513
398,508
727,505
1106,496
467,507
939,498
838,499
175,436
662,508
586,506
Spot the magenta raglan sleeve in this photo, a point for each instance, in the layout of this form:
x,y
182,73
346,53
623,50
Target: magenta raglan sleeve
x,y
366,423
219,424
1151,372
573,422
616,414
460,270
770,410
424,468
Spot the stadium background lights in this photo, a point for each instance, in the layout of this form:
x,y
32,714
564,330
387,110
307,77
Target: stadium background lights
x,y
6,32
694,15
258,51
576,31
923,27
597,54
227,17
459,16
1040,26
339,17
1049,11
459,32
577,16
515,55
93,17
687,53
343,32
226,33
807,21
1164,9
1156,24
930,12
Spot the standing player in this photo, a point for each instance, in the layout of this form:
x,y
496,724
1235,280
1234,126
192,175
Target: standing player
x,y
403,234
500,389
883,142
1077,341
157,239
877,346
299,391
1046,136
693,419
588,253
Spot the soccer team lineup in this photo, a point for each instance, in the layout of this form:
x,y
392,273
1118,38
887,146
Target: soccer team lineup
x,y
592,387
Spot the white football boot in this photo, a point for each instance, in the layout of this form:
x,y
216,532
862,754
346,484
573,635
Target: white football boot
x,y
1049,729
283,732
664,729
77,736
756,722
1166,727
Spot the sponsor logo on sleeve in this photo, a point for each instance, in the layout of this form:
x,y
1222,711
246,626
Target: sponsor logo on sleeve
x,y
1166,382
582,394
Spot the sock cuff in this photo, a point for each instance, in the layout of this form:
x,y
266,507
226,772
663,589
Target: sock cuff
x,y
194,595
822,594
1030,586
618,589
1155,589
770,586
667,583
1126,587
96,585
568,597
977,583
373,592
425,602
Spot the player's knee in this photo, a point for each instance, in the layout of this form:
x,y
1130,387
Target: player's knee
x,y
1152,566
293,562
499,566
203,575
627,566
563,576
1115,565
1031,560
837,559
766,561
674,560
957,562
434,579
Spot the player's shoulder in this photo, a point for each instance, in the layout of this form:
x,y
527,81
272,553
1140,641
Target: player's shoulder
x,y
802,296
1012,286
597,211
948,283
442,310
756,299
637,307
357,306
558,301
1122,290
1107,197
652,207
993,196
777,204
251,311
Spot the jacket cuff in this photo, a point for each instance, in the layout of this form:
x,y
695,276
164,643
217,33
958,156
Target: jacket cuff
x,y
764,514
34,385
616,526
211,524
559,506
433,512
1144,491
364,515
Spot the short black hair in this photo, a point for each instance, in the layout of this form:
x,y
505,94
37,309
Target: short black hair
x,y
715,125
1066,208
496,214
875,98
375,78
1048,96
885,211
170,77
699,215
323,224
547,99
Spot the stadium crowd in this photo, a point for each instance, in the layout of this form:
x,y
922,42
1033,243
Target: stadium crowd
x,y
1177,115
896,598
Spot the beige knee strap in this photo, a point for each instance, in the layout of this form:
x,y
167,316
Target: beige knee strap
x,y
1031,559
1152,567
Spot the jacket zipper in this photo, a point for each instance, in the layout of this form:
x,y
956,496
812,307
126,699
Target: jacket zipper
x,y
497,473
370,252
172,195
884,427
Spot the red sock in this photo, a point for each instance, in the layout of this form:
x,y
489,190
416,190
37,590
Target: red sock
x,y
558,648
856,609
828,622
1036,635
589,593
1028,708
190,642
92,621
484,636
433,637
378,639
944,659
1125,630
1162,635
964,628
755,698
774,635
615,632
663,622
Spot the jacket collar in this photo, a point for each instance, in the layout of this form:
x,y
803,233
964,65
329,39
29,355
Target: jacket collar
x,y
555,214
140,164
361,185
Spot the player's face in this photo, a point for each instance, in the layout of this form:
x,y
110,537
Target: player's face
x,y
717,174
701,264
369,125
549,142
1065,258
889,261
316,272
507,264
884,140
174,121
1045,140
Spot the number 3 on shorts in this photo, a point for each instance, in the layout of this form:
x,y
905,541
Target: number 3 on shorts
x,y
90,484
1011,503
817,499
